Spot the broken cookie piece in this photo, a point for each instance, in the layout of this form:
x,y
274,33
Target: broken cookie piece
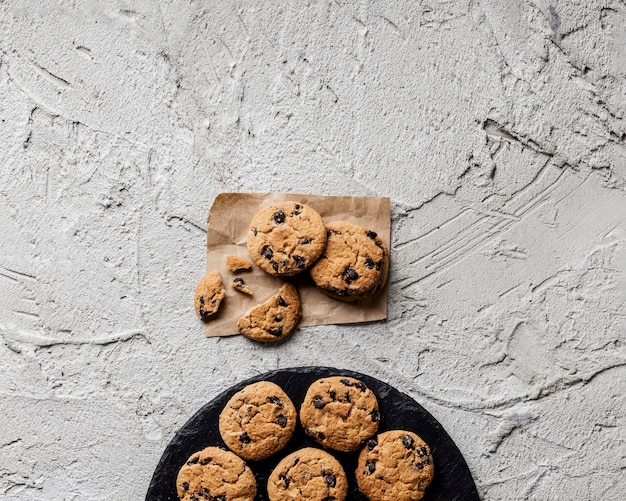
x,y
240,285
236,263
275,319
209,295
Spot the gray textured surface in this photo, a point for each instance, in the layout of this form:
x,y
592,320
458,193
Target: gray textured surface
x,y
497,129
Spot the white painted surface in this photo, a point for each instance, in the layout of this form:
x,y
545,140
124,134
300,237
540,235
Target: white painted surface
x,y
497,129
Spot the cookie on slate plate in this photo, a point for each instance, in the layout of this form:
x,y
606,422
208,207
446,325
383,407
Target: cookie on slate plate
x,y
308,474
395,465
215,474
275,319
209,295
340,413
286,238
258,421
353,264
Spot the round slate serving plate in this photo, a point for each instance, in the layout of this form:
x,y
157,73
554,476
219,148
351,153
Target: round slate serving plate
x,y
452,482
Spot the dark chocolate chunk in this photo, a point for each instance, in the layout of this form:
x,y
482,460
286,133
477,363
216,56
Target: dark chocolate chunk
x,y
275,266
359,386
300,261
244,438
330,479
407,441
267,252
305,241
375,416
201,299
238,281
350,275
333,395
379,265
278,318
185,486
422,452
285,479
297,207
320,435
281,420
371,234
370,467
318,402
276,331
193,460
254,231
419,466
205,461
275,400
279,217
371,443
221,497
369,262
346,382
281,301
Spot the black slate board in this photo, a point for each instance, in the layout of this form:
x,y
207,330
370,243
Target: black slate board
x,y
452,482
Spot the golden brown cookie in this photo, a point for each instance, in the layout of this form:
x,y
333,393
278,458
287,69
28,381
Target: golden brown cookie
x,y
286,238
340,413
236,263
275,319
352,265
214,473
396,465
209,295
308,475
258,421
239,284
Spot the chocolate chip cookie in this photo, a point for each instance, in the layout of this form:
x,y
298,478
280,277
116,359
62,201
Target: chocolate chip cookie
x,y
353,263
215,474
395,465
308,474
340,413
286,238
209,295
258,421
275,319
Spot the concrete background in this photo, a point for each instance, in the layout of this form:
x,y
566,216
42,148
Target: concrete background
x,y
497,129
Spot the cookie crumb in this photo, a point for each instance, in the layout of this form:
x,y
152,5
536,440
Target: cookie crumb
x,y
236,263
239,284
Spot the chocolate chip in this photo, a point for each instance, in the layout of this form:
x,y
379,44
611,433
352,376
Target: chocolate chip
x,y
281,420
275,400
305,241
330,479
359,385
333,395
278,318
276,331
375,416
295,213
185,486
371,443
371,234
267,252
244,438
369,262
205,493
370,467
285,479
300,261
318,402
419,466
221,497
350,275
275,266
205,461
238,281
407,441
379,265
193,498
281,301
201,299
279,217
254,231
297,207
422,452
193,460
320,435
346,382
348,398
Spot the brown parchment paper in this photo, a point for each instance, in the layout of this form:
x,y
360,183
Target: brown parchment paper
x,y
229,220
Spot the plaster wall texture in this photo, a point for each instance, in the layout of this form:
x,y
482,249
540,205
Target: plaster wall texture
x,y
497,129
